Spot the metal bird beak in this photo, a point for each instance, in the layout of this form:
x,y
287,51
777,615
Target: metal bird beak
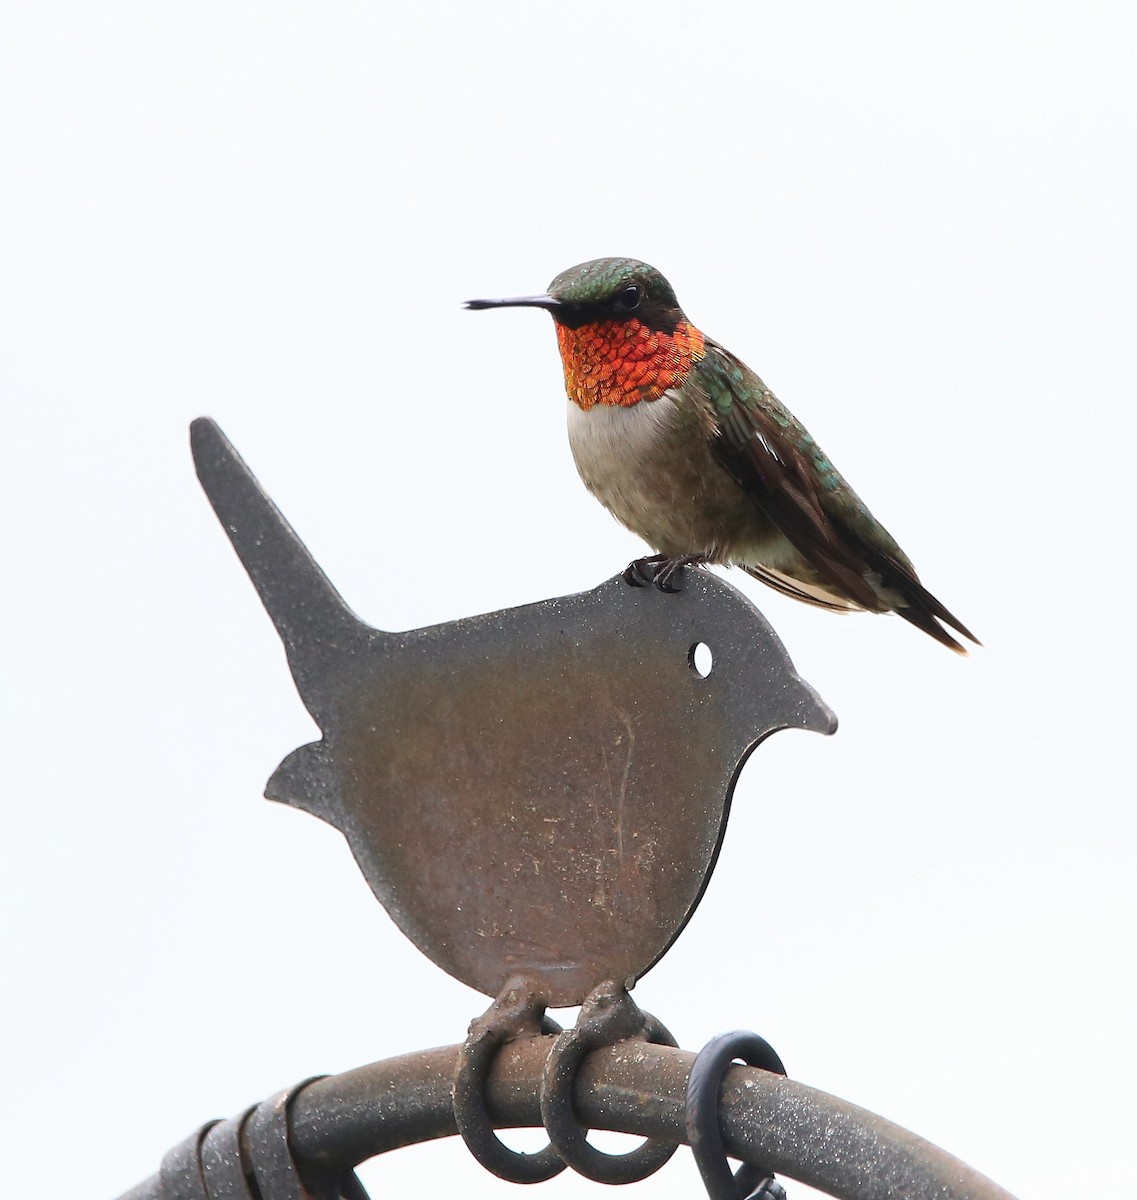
x,y
551,303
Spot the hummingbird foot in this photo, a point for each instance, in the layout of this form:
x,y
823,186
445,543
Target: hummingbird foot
x,y
670,571
641,572
662,570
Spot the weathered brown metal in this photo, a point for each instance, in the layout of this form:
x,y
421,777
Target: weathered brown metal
x,y
607,1016
518,1012
539,791
840,1149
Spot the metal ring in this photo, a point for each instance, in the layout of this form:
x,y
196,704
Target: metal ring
x,y
517,1011
223,1165
351,1188
270,1153
607,1016
180,1173
702,1115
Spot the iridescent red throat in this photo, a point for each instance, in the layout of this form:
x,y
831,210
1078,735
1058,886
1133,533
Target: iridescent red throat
x,y
624,362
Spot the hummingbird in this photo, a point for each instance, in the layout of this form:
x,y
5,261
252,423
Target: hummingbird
x,y
686,446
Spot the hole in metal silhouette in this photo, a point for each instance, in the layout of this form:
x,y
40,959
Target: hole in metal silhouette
x,y
700,659
538,791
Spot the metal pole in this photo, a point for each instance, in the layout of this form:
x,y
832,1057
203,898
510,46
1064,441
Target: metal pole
x,y
836,1147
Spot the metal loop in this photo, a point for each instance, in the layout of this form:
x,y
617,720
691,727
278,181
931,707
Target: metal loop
x,y
270,1153
517,1012
270,1156
608,1015
702,1117
247,1157
351,1188
180,1173
655,1033
223,1165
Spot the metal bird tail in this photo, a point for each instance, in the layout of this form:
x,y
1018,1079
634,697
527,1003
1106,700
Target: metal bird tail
x,y
314,623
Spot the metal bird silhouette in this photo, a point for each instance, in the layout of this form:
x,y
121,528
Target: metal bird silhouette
x,y
538,791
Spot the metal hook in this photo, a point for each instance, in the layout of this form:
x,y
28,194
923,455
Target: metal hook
x,y
517,1012
750,1182
608,1015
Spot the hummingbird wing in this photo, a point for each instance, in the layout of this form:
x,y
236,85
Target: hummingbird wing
x,y
774,458
797,591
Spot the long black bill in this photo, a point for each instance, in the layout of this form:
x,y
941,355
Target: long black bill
x,y
548,302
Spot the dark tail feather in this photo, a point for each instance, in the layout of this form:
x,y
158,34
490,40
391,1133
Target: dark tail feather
x,y
919,596
922,609
923,619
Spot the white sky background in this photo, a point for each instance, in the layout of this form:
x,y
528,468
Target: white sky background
x,y
916,221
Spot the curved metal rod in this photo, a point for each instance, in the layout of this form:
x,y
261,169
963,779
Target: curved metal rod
x,y
836,1147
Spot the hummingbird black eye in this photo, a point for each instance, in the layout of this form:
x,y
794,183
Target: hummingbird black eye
x,y
628,299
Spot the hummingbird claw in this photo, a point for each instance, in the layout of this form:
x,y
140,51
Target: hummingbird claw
x,y
669,572
642,571
660,569
668,578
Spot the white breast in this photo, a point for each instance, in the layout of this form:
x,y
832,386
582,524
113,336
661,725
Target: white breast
x,y
610,441
655,473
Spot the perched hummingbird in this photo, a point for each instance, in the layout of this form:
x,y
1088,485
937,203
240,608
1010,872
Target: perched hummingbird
x,y
687,447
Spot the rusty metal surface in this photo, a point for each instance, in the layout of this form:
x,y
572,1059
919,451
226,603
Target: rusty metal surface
x,y
608,1016
840,1149
250,1157
518,1012
538,791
